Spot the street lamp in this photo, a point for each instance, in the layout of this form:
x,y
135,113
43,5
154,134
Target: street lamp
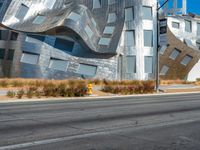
x,y
157,53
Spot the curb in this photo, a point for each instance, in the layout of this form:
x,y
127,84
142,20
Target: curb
x,y
97,97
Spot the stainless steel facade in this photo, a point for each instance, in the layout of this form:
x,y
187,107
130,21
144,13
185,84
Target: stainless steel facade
x,y
58,39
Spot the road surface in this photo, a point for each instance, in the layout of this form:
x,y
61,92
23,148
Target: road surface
x,y
168,122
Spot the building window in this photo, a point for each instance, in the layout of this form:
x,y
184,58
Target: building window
x,y
110,2
58,64
89,31
198,29
130,38
198,44
148,64
108,30
188,26
104,41
162,49
147,13
74,16
176,25
129,14
4,34
2,53
131,64
64,45
30,58
111,18
164,70
175,53
87,70
39,19
148,38
10,55
186,60
22,11
14,36
1,4
96,4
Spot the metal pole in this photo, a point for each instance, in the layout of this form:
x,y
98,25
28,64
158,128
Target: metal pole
x,y
157,52
157,47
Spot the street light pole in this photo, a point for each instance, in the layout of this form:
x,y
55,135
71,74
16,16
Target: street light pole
x,y
157,48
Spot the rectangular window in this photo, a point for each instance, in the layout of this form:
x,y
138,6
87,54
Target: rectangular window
x,y
175,53
148,38
64,45
162,49
14,36
39,19
4,34
129,14
110,2
1,4
108,30
164,70
89,31
198,44
74,16
129,38
22,11
176,25
10,55
111,18
148,64
198,29
2,53
104,41
57,64
188,26
186,60
30,58
131,64
88,70
96,4
147,13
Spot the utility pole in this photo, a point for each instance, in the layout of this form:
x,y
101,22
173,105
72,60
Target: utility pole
x,y
157,47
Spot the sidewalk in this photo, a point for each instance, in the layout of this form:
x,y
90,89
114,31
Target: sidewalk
x,y
176,88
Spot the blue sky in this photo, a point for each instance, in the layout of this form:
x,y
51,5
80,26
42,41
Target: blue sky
x,y
193,6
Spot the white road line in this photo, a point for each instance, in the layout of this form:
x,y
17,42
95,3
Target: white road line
x,y
56,140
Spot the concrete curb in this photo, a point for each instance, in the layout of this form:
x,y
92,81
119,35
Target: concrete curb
x,y
97,97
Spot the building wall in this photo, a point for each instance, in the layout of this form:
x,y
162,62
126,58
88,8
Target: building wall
x,y
178,59
60,47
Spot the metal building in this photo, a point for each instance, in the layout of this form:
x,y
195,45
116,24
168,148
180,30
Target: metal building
x,y
58,39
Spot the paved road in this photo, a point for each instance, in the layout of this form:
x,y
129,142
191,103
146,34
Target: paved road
x,y
132,123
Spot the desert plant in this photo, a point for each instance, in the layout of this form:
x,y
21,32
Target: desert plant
x,y
11,94
20,94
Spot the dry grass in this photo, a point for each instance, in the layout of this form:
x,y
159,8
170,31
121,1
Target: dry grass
x,y
129,87
169,82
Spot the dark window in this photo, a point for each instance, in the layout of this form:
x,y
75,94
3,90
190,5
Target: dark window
x,y
37,37
10,54
64,45
4,35
23,9
14,36
2,53
1,4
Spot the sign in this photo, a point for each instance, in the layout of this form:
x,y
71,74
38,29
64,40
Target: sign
x,y
163,41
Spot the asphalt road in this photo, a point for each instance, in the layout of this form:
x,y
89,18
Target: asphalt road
x,y
170,122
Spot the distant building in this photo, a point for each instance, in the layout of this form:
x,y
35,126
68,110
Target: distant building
x,y
180,58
